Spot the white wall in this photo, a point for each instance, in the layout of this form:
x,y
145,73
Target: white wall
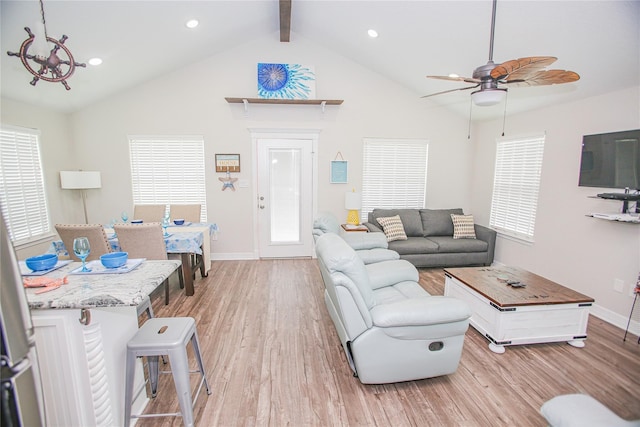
x,y
580,252
191,101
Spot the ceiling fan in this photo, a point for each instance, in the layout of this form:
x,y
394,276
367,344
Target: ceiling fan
x,y
528,71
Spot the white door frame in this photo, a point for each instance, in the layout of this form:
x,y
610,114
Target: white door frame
x,y
262,133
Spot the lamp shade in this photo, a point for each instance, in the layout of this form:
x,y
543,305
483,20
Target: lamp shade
x,y
352,201
80,180
487,97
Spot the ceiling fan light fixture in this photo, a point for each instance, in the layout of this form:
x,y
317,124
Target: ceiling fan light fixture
x,y
372,33
488,97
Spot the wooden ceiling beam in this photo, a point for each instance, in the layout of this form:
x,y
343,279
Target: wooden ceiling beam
x,y
285,20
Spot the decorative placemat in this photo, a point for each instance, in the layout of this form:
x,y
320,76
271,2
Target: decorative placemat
x,y
26,271
96,267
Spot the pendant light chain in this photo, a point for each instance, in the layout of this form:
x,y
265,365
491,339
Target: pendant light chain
x,y
44,23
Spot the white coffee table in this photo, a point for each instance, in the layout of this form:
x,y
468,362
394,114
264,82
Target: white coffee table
x,y
542,311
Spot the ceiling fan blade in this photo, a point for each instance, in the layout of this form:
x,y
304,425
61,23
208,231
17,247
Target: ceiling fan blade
x,y
545,77
522,67
456,79
450,90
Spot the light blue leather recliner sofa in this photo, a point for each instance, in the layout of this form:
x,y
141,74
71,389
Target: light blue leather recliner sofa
x,y
372,247
391,329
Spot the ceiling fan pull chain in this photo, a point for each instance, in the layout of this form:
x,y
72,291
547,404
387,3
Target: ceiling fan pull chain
x,y
504,117
469,127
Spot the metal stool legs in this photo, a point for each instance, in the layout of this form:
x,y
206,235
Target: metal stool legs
x,y
166,336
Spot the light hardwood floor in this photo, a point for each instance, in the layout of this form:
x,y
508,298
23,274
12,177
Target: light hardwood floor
x,y
273,358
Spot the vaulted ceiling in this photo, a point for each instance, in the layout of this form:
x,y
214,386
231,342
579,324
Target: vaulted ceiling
x,y
140,40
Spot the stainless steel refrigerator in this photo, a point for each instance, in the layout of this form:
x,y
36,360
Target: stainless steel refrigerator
x,y
21,388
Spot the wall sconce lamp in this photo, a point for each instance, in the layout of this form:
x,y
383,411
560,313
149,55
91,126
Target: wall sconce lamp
x,y
353,203
80,180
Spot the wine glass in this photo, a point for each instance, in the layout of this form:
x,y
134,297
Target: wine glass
x,y
165,224
124,216
81,248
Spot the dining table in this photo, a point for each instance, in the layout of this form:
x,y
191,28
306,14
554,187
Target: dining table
x,y
191,241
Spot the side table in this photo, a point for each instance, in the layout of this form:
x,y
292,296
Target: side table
x,y
351,227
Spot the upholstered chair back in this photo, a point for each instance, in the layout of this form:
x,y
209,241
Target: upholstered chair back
x,y
142,240
190,213
94,232
149,213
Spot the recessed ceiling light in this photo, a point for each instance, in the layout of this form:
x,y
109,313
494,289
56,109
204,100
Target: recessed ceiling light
x,y
453,76
95,61
192,23
372,33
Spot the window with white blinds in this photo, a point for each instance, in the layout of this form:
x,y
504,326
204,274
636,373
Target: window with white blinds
x,y
168,169
394,174
22,195
515,186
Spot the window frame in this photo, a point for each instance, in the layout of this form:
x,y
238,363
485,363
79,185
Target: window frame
x,y
516,186
383,158
27,215
183,178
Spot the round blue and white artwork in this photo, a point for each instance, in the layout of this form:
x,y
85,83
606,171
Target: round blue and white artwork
x,y
286,81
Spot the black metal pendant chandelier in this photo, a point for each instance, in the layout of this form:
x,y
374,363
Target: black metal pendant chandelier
x,y
51,65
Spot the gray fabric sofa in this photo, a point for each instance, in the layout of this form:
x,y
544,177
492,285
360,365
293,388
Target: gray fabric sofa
x,y
390,328
370,247
430,241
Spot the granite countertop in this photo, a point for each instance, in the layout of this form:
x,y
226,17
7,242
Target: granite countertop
x,y
102,290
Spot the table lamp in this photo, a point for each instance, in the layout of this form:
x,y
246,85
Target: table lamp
x,y
353,203
80,180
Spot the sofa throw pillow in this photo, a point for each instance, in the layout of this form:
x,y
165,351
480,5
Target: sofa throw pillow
x,y
463,227
393,228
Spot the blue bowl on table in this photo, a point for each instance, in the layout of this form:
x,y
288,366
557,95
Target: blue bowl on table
x,y
42,262
178,221
114,259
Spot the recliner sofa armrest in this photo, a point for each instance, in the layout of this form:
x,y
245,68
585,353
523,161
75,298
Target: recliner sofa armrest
x,y
429,310
389,273
360,240
372,227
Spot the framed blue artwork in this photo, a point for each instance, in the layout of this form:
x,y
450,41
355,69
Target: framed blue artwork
x,y
339,171
286,81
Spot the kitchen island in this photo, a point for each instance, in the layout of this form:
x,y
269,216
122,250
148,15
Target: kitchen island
x,y
81,332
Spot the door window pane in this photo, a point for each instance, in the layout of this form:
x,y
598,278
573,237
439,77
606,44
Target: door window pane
x,y
285,195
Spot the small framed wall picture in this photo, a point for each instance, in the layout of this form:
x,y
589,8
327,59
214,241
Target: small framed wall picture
x,y
227,162
339,171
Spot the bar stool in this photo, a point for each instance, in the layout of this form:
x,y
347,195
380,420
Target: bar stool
x,y
165,336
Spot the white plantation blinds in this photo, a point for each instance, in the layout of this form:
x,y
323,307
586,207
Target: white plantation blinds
x,y
515,186
166,170
394,174
22,195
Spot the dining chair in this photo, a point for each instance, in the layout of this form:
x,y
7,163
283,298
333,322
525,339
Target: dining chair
x,y
94,232
149,213
146,241
189,213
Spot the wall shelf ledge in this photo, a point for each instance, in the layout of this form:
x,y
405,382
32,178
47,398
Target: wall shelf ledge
x,y
246,101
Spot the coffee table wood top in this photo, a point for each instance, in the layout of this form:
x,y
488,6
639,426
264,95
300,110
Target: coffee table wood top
x,y
491,282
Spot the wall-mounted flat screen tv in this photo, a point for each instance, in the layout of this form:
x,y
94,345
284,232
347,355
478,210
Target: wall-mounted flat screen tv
x,y
611,160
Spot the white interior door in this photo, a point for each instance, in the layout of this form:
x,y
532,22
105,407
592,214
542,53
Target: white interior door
x,y
285,196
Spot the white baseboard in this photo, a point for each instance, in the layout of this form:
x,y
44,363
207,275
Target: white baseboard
x,y
233,256
615,319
